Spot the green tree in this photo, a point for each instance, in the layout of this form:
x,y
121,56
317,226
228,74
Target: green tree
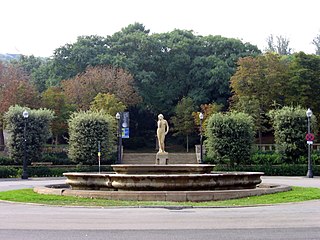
x,y
183,119
303,86
86,131
53,98
38,131
229,138
262,77
108,103
290,127
33,67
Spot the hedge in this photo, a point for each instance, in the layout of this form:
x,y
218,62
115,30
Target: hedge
x,y
49,171
273,170
230,137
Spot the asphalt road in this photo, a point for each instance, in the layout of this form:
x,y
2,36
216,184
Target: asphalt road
x,y
283,221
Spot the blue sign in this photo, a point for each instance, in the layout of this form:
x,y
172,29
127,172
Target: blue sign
x,y
125,133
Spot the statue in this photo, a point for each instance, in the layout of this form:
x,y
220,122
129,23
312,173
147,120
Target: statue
x,y
163,129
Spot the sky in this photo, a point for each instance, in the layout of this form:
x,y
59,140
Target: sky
x,y
38,27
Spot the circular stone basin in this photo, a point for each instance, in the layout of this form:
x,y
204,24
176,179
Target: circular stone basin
x,y
163,182
163,169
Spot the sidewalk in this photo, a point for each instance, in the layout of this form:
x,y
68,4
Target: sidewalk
x,y
293,181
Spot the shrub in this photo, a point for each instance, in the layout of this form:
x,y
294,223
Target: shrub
x,y
290,128
86,130
273,170
37,132
230,137
266,158
7,172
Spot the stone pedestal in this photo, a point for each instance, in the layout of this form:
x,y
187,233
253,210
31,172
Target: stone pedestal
x,y
162,158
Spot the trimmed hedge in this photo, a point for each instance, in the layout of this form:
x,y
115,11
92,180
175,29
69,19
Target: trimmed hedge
x,y
48,171
273,170
230,137
86,131
290,128
37,132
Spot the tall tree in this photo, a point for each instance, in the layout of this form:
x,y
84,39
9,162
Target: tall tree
x,y
183,119
82,89
108,103
281,46
258,85
14,89
53,98
316,43
303,86
32,66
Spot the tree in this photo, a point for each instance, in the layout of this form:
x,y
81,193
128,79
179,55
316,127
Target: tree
x,y
183,120
289,124
37,70
38,127
316,43
262,78
281,46
229,138
108,103
259,85
72,59
14,89
53,98
82,89
303,86
86,131
207,110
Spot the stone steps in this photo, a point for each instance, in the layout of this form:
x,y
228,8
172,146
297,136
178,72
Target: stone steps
x,y
150,158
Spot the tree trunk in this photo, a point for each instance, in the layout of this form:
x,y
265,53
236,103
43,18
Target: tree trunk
x,y
1,136
187,143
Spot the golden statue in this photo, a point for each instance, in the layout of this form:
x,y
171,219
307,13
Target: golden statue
x,y
163,129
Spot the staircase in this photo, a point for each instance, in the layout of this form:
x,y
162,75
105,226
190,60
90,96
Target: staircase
x,y
150,158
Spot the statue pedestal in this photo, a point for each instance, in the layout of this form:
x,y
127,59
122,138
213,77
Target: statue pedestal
x,y
162,158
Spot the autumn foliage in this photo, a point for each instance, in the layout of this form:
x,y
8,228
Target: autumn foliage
x,y
83,88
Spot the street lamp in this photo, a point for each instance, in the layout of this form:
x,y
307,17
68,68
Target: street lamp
x,y
25,115
201,149
118,117
309,173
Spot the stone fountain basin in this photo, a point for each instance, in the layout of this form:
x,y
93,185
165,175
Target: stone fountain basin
x,y
162,169
163,182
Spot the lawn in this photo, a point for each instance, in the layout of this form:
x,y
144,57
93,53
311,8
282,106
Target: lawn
x,y
298,194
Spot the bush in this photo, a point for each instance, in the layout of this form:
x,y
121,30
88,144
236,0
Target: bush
x,y
37,132
230,137
273,170
7,172
46,171
86,130
266,158
4,160
60,158
290,128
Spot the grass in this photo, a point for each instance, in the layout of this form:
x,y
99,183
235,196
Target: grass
x,y
298,194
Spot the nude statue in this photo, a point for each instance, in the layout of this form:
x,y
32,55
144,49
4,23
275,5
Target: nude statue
x,y
163,129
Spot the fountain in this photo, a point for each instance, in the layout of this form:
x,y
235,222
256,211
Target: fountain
x,y
162,181
179,183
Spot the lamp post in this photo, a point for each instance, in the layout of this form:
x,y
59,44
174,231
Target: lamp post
x,y
118,117
309,173
201,149
25,115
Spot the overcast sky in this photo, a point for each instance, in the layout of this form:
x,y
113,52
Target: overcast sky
x,y
39,26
